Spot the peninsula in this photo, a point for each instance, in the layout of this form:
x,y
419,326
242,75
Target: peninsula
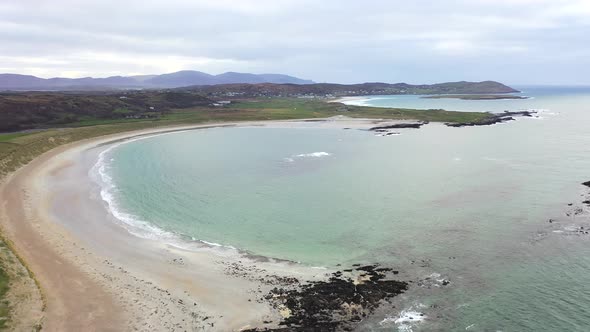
x,y
476,97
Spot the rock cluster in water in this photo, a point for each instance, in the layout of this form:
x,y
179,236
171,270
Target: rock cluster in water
x,y
386,130
495,118
575,226
337,303
587,201
414,125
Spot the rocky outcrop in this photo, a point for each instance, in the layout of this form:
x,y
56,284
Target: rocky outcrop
x,y
506,116
484,122
415,125
338,303
518,113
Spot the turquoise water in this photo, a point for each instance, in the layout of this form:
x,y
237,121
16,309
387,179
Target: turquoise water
x,y
539,97
471,204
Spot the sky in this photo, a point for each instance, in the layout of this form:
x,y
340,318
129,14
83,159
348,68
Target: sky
x,y
343,41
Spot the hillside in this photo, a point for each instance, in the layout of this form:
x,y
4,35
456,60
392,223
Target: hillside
x,y
19,111
172,80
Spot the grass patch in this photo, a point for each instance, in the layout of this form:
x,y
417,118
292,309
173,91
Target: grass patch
x,y
10,136
4,305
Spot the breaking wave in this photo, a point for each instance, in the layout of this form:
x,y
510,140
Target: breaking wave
x,y
307,155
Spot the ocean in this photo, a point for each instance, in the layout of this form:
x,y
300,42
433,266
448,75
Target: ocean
x,y
463,212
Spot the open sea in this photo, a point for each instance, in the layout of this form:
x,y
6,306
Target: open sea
x,y
466,207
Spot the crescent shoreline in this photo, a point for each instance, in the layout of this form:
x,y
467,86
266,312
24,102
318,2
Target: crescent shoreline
x,y
97,276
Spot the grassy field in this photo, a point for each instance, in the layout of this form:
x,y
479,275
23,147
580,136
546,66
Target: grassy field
x,y
278,109
17,149
11,136
4,304
268,109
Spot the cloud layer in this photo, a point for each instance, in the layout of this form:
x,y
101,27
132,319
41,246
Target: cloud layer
x,y
420,41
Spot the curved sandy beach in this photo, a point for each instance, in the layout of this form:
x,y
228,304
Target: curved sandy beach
x,y
96,276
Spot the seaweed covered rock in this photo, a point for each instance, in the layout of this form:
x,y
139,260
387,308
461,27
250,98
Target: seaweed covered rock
x,y
414,125
338,303
495,118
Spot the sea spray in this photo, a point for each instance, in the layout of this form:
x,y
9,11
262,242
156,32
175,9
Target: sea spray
x,y
307,155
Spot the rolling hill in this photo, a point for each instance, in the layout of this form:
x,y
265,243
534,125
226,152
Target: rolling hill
x,y
172,80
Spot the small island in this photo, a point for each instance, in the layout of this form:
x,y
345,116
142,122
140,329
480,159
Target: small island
x,y
476,97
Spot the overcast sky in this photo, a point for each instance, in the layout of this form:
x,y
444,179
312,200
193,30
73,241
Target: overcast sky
x,y
415,41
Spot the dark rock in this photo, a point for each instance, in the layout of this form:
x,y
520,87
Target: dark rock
x,y
367,268
336,304
414,125
493,119
519,113
485,122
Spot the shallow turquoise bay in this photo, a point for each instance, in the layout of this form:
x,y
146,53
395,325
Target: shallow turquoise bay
x,y
473,203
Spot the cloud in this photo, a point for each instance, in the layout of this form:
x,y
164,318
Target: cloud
x,y
346,41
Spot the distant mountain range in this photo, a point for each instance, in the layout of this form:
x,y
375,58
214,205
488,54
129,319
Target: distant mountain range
x,y
172,80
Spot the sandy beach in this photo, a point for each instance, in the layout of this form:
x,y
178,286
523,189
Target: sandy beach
x,y
96,276
351,100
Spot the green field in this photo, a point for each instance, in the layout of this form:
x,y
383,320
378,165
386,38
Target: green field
x,y
11,136
279,109
4,304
